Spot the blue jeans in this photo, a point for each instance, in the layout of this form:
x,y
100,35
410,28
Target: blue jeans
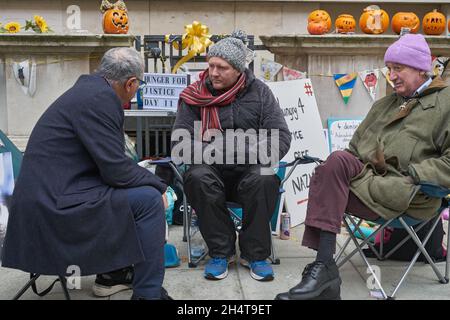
x,y
149,215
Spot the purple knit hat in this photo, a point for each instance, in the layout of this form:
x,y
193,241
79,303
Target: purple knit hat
x,y
410,50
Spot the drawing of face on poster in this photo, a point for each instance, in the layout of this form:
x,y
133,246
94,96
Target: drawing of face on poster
x,y
370,80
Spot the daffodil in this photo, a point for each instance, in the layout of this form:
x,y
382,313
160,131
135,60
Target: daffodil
x,y
41,23
12,27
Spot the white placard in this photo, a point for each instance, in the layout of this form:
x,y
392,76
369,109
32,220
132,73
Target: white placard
x,y
340,132
163,90
297,100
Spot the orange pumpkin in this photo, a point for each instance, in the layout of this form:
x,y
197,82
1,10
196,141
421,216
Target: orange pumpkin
x,y
433,23
317,27
320,15
115,21
345,23
405,20
374,20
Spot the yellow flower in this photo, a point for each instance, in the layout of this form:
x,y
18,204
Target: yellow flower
x,y
12,27
41,23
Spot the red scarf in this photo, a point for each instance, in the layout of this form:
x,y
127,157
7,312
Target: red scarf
x,y
197,94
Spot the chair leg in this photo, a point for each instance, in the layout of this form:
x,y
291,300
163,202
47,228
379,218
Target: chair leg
x,y
447,263
273,257
33,279
421,249
63,281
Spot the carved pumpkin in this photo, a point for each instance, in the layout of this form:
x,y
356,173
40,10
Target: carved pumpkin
x,y
374,20
345,23
405,20
115,21
317,27
433,23
320,15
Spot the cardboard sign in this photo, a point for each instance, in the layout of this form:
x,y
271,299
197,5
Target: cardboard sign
x,y
298,103
340,132
163,90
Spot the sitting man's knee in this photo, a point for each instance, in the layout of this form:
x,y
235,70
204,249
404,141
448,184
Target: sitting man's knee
x,y
196,174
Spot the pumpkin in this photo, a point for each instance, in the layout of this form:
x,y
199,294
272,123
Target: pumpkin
x,y
433,23
405,20
115,21
317,27
345,23
320,15
374,20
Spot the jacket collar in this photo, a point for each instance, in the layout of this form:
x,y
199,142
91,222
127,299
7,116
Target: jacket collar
x,y
428,98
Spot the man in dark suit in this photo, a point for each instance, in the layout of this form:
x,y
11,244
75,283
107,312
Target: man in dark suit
x,y
79,201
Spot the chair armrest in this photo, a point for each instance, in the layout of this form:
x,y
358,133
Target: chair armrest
x,y
434,190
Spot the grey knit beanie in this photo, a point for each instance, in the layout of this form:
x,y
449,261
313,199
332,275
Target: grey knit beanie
x,y
231,49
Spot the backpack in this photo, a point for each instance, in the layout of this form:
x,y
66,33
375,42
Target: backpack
x,y
406,252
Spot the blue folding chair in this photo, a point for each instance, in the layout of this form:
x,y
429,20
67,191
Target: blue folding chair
x,y
412,226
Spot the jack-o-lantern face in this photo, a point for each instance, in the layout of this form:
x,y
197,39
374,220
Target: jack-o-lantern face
x,y
405,20
345,23
320,15
374,20
115,21
433,23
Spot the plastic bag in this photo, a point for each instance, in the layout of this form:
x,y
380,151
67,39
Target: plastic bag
x,y
171,197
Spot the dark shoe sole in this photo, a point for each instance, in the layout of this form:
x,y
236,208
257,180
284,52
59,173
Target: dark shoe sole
x,y
329,291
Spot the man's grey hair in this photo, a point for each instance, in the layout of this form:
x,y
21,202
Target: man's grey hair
x,y
120,64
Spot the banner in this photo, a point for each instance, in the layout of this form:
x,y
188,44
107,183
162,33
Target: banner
x,y
269,69
299,106
345,83
291,74
370,81
385,72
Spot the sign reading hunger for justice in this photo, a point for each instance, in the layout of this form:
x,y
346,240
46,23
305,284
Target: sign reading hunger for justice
x,y
298,103
162,90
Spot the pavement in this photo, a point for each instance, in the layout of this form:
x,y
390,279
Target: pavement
x,y
186,283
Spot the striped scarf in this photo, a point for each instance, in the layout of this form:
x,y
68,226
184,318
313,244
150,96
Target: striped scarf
x,y
197,94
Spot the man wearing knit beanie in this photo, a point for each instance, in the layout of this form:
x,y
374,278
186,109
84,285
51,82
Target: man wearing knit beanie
x,y
228,101
403,141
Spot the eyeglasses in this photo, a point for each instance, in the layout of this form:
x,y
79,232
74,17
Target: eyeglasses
x,y
142,83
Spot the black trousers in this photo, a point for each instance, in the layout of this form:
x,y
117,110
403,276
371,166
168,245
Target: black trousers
x,y
208,188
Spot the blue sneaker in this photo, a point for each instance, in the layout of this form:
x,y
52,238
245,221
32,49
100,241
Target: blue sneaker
x,y
259,270
216,269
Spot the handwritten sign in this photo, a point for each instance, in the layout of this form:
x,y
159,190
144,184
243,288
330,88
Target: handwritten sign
x,y
162,90
340,132
298,103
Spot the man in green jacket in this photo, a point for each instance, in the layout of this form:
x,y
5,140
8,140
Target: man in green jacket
x,y
404,140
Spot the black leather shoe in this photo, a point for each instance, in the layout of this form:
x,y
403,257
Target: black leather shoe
x,y
319,281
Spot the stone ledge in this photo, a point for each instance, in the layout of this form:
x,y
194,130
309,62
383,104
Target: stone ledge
x,y
343,45
61,43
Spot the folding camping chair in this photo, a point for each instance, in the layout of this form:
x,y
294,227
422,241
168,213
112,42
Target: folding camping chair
x,y
412,226
234,209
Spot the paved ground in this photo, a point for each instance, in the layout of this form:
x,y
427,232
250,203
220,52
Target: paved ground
x,y
187,283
